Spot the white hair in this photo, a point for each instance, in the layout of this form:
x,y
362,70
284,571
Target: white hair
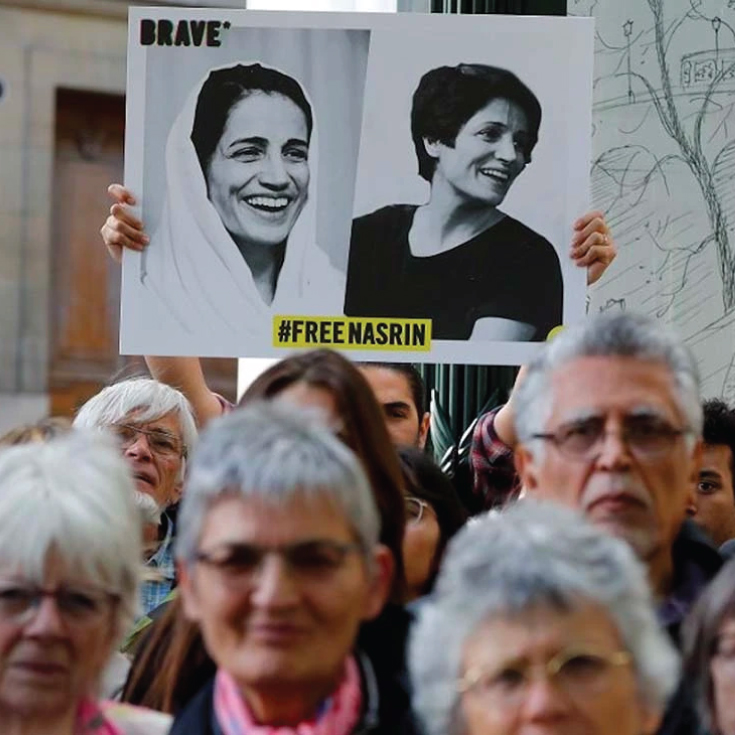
x,y
73,496
274,452
529,556
149,399
610,334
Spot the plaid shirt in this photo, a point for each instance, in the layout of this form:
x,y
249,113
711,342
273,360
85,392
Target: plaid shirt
x,y
495,478
161,565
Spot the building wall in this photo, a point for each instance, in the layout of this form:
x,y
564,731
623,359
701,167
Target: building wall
x,y
41,50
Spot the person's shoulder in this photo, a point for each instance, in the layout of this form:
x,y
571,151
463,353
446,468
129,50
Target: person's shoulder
x,y
132,720
195,718
524,234
385,219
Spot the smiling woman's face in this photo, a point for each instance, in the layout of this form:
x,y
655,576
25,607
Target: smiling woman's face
x,y
487,155
258,177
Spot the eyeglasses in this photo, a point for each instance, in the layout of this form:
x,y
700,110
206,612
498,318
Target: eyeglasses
x,y
306,560
415,509
725,648
578,672
20,602
162,443
645,436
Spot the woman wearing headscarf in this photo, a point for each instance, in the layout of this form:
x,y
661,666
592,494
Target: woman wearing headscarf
x,y
236,239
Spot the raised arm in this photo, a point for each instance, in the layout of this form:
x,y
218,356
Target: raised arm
x,y
122,229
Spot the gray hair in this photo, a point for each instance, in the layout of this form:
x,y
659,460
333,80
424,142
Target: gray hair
x,y
273,452
150,399
73,496
532,555
610,334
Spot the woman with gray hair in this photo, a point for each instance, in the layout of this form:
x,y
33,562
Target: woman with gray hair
x,y
280,564
70,557
538,618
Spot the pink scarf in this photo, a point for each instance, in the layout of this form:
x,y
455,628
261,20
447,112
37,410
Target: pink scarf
x,y
92,721
338,715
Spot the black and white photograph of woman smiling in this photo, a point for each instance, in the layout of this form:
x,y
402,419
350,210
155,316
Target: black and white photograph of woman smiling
x,y
244,169
459,259
482,148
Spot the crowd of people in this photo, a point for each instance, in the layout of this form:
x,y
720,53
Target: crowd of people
x,y
297,564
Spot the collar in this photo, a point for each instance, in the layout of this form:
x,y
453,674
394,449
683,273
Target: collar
x,y
163,559
371,697
696,562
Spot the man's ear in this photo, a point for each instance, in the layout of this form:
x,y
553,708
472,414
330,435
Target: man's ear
x,y
188,592
526,467
424,423
383,570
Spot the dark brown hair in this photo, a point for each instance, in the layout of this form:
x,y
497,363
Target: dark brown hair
x,y
172,663
364,432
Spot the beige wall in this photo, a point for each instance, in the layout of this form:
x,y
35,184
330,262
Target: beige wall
x,y
40,51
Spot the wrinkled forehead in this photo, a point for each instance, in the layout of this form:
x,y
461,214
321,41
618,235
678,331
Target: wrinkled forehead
x,y
145,418
613,387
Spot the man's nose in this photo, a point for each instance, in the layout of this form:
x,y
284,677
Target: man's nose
x,y
614,452
139,448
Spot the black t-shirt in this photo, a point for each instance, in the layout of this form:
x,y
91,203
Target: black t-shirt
x,y
507,271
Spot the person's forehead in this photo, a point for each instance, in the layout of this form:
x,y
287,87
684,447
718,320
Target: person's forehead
x,y
266,115
501,110
717,458
389,386
233,520
605,385
542,629
168,422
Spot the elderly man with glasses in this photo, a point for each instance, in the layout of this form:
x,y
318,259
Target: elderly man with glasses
x,y
155,427
609,421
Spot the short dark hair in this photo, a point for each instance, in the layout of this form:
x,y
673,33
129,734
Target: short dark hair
x,y
412,376
224,88
425,480
719,427
448,96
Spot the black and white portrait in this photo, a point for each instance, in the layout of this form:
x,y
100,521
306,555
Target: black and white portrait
x,y
458,258
255,205
363,165
460,133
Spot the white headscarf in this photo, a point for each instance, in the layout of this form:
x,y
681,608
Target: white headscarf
x,y
198,280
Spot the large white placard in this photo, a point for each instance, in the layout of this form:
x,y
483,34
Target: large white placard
x,y
328,179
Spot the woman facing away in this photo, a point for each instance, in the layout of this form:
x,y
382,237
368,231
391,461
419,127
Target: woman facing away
x,y
458,259
236,235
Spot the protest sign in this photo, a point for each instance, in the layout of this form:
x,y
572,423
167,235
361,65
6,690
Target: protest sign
x,y
397,187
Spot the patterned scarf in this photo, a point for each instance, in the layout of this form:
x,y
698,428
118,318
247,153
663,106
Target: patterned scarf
x,y
338,714
92,721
